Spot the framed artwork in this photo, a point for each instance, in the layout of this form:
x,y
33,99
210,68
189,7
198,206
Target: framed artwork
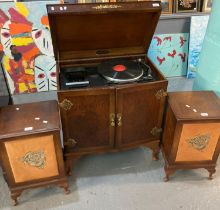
x,y
207,5
169,52
198,28
187,5
28,60
167,6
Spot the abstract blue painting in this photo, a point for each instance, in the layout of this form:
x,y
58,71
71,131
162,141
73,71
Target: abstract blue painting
x,y
197,33
169,52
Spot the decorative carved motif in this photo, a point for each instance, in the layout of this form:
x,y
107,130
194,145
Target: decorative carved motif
x,y
66,104
107,6
156,131
160,94
36,159
199,142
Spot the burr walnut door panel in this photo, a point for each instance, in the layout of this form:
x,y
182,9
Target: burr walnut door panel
x,y
198,142
139,112
88,117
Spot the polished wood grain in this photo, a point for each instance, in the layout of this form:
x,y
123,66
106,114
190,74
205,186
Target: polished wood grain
x,y
190,105
141,111
43,137
88,121
94,31
183,126
15,118
107,118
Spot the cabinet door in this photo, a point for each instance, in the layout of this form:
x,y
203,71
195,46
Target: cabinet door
x,y
88,119
139,111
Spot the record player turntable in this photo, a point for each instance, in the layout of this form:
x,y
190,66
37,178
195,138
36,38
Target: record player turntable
x,y
121,103
114,71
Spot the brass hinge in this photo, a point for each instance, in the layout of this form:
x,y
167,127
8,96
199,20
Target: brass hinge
x,y
119,119
156,131
66,104
70,143
112,120
160,94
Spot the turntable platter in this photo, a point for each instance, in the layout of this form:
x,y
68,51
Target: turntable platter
x,y
120,71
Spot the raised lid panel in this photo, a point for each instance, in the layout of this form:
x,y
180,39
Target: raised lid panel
x,y
82,31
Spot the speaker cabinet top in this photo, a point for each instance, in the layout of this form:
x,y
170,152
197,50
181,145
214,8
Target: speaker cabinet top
x,y
197,105
25,119
82,32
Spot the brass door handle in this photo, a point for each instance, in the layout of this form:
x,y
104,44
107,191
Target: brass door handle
x,y
119,119
112,120
66,104
70,143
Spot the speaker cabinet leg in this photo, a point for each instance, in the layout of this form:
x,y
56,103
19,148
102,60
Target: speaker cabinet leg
x,y
211,172
168,172
65,187
14,197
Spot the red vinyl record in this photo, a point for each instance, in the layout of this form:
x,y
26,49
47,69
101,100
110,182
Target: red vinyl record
x,y
120,71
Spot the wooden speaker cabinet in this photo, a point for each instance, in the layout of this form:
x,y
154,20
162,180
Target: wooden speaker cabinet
x,y
30,147
191,137
107,116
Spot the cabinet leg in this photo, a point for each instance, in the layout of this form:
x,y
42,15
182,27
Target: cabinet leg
x,y
155,154
168,172
65,187
14,197
69,166
155,147
69,162
211,172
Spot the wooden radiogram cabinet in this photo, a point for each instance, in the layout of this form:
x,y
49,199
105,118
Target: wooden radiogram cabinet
x,y
102,118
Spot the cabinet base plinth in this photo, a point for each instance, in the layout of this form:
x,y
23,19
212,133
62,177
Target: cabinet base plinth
x,y
70,158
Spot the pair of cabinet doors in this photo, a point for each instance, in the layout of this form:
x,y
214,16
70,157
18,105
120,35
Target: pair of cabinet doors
x,y
111,117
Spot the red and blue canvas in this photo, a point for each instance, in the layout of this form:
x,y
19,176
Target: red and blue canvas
x,y
169,52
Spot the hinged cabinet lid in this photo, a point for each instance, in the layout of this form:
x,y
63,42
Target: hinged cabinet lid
x,y
97,31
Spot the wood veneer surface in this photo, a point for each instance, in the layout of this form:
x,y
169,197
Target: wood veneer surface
x,y
186,152
17,149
